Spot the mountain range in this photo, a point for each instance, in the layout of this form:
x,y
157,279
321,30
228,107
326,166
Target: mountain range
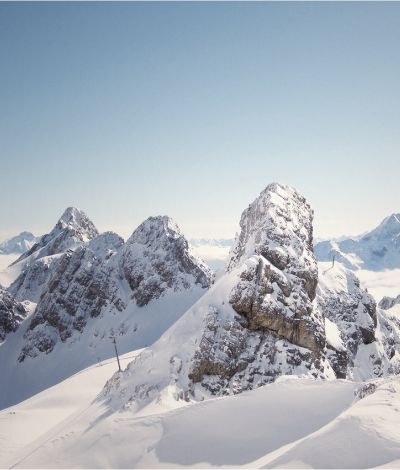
x,y
273,317
376,250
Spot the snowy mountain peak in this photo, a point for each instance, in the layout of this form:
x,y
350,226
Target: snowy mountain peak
x,y
278,226
376,250
155,228
19,244
157,257
388,228
73,227
257,322
74,218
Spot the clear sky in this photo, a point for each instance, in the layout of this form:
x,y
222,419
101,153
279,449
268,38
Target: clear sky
x,y
127,110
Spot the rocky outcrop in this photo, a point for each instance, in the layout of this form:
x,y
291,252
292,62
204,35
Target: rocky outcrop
x,y
344,303
157,257
273,296
73,229
12,313
388,302
105,276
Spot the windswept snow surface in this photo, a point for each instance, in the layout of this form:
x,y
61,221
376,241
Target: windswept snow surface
x,y
237,431
292,423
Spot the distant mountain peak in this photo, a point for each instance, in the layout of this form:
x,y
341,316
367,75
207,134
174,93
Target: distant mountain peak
x,y
19,244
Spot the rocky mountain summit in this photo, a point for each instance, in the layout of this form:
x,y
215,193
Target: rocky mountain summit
x,y
259,320
388,302
19,244
96,288
375,251
73,228
105,275
275,311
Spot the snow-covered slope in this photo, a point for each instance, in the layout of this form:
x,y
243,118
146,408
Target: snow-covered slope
x,y
19,244
292,423
102,288
375,251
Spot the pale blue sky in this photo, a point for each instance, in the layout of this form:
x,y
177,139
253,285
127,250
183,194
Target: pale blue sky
x,y
127,110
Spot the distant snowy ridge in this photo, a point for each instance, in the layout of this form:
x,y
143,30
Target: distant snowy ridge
x,y
376,250
19,244
218,242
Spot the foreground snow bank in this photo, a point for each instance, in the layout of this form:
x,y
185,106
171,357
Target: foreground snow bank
x,y
236,431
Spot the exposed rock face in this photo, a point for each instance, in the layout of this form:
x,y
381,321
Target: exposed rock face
x,y
12,313
78,288
105,276
273,296
277,294
73,229
388,302
157,257
351,309
258,321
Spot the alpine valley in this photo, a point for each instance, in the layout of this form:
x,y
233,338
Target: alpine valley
x,y
281,358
